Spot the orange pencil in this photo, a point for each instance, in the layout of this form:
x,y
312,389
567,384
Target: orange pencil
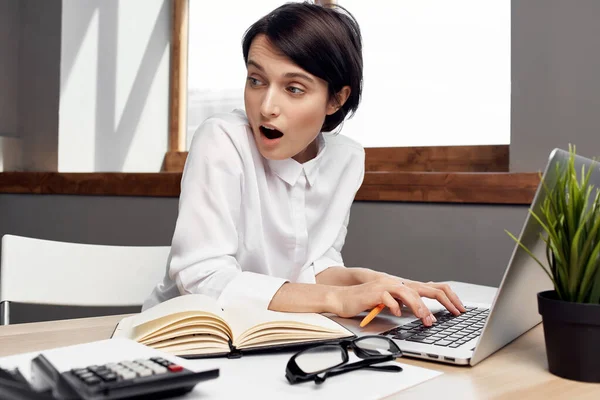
x,y
371,315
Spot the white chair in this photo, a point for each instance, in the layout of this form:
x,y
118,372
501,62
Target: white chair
x,y
36,271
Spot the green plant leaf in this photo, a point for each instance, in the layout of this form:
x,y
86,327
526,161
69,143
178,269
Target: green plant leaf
x,y
530,254
570,228
558,267
591,224
591,270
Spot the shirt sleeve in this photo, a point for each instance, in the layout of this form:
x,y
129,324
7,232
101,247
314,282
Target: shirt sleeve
x,y
333,256
205,240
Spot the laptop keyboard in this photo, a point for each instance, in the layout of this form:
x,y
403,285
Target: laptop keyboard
x,y
449,330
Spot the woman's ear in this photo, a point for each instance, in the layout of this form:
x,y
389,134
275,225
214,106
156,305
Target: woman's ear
x,y
339,100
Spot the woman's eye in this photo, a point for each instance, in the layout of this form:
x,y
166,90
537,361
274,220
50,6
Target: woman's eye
x,y
254,81
295,90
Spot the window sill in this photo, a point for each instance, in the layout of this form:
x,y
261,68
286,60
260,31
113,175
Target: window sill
x,y
428,187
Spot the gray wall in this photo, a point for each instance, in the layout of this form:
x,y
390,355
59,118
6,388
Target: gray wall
x,y
29,84
112,220
555,80
9,71
433,242
417,241
10,143
39,83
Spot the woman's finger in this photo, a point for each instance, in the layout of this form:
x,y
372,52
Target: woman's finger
x,y
391,303
412,300
439,295
451,295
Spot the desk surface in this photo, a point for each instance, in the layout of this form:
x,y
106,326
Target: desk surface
x,y
517,371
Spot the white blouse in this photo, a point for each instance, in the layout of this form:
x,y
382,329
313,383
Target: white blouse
x,y
247,225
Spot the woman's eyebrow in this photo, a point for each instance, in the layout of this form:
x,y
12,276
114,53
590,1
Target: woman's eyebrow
x,y
255,64
298,75
286,75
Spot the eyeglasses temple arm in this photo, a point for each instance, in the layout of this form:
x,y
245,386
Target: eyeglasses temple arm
x,y
358,365
385,368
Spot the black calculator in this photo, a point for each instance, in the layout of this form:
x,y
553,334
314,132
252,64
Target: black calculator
x,y
152,378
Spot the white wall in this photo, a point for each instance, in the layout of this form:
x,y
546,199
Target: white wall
x,y
114,83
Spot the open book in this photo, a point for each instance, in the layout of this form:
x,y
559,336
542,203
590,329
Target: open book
x,y
195,326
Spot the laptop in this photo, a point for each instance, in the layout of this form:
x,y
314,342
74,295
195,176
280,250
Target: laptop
x,y
485,328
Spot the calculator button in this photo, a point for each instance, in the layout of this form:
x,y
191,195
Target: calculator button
x,y
148,364
92,380
78,371
145,372
128,374
175,368
161,361
141,370
109,377
159,369
128,364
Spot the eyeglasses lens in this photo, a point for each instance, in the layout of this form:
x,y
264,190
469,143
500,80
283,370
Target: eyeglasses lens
x,y
376,346
320,358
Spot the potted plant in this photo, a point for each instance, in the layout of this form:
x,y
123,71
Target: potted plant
x,y
570,227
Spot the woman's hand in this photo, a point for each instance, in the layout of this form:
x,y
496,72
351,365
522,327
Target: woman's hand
x,y
394,292
442,292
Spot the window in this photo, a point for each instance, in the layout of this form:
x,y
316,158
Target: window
x,y
216,70
436,73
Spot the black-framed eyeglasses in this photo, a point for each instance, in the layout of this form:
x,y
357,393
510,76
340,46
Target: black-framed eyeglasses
x,y
322,361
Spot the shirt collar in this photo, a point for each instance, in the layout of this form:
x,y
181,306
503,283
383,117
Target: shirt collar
x,y
311,167
289,170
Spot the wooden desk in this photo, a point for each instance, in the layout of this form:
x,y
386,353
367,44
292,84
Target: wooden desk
x,y
518,371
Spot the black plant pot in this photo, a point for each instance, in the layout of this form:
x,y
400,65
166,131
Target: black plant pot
x,y
572,334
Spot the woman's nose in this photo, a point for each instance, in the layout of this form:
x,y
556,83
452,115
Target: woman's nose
x,y
269,107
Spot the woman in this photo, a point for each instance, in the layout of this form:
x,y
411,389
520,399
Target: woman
x,y
266,196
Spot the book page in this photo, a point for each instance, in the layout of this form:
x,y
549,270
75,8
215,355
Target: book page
x,y
244,323
193,345
171,335
172,311
286,335
192,325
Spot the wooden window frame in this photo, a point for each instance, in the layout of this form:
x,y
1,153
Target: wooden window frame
x,y
454,174
388,159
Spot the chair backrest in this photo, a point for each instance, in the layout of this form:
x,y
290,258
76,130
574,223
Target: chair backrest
x,y
51,272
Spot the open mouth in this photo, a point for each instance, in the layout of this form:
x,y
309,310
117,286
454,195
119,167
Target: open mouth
x,y
270,133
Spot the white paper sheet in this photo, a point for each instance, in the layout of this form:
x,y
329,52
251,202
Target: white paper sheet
x,y
250,377
263,377
83,355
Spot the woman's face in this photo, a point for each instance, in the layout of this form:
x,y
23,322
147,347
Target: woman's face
x,y
286,106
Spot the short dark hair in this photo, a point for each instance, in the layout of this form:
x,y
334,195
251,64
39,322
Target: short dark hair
x,y
324,41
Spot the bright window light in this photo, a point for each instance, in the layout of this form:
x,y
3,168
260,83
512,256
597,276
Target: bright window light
x,y
436,72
